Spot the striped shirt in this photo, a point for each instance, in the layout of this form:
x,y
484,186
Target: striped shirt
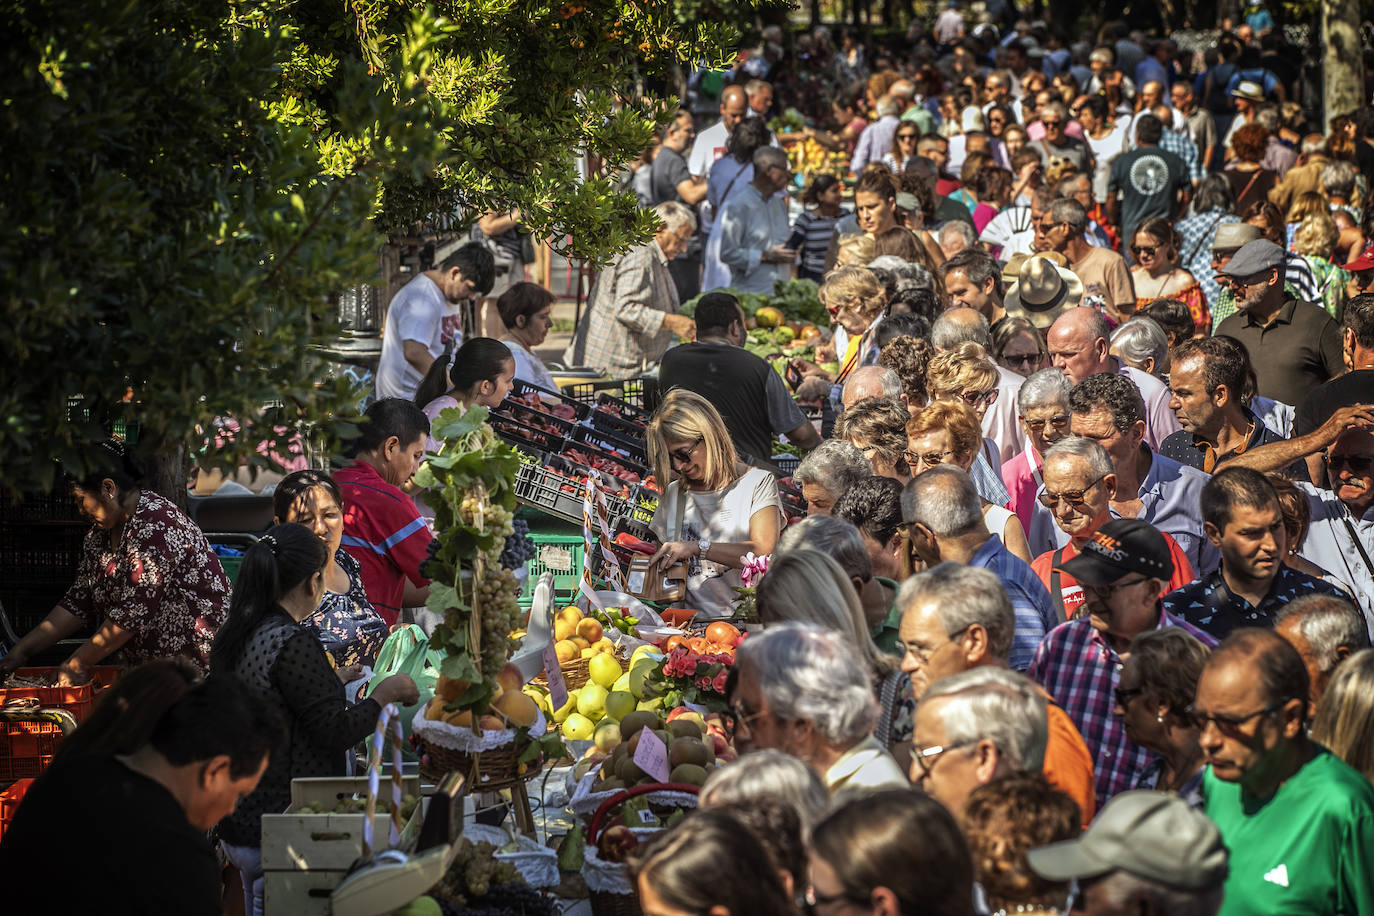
x,y
817,231
384,532
1030,603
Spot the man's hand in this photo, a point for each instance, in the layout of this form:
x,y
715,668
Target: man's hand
x,y
680,325
779,255
809,369
1360,416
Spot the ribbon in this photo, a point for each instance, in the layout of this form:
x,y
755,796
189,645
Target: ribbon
x,y
388,724
593,502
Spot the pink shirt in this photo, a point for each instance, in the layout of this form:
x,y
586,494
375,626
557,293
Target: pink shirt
x,y
1021,475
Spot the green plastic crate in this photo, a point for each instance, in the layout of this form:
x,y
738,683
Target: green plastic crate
x,y
562,553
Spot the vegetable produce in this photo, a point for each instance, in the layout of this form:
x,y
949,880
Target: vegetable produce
x,y
798,300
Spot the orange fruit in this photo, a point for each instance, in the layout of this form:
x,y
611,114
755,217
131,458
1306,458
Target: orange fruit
x,y
566,650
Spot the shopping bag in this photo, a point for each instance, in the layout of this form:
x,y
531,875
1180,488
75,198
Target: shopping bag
x,y
407,651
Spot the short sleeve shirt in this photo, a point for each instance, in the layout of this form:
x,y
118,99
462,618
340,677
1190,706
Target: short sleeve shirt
x,y
419,312
669,171
384,532
1149,178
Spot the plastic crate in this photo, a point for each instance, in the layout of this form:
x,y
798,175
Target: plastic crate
x,y
522,388
27,748
564,555
607,403
611,443
76,700
786,463
633,391
555,489
528,438
9,802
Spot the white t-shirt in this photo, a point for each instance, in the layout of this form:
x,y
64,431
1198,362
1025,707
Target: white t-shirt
x,y
707,148
530,368
1105,152
722,517
418,312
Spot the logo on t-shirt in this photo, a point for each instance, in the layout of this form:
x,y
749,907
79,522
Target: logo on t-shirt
x,y
1277,875
1149,175
450,330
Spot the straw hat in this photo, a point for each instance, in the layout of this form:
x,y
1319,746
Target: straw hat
x,y
1043,288
1248,90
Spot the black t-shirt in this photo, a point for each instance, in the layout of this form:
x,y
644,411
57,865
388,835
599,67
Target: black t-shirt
x,y
126,842
668,171
737,384
1321,402
1149,179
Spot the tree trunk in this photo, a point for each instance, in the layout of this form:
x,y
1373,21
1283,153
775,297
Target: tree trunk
x,y
1343,66
815,14
167,474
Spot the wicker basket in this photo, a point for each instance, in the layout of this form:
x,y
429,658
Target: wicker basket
x,y
604,904
608,903
577,673
485,770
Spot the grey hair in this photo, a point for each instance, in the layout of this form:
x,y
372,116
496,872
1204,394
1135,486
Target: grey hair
x,y
1140,339
810,673
675,215
769,773
1338,178
1214,193
1069,211
808,586
960,228
1268,118
947,333
887,105
768,156
989,702
944,500
1043,389
962,596
835,465
835,537
1099,462
1055,107
1327,622
907,274
1121,886
888,380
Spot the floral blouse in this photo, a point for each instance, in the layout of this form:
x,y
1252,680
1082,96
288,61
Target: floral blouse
x,y
163,583
350,630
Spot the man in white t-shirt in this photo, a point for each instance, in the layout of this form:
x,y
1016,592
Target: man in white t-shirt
x,y
710,143
422,319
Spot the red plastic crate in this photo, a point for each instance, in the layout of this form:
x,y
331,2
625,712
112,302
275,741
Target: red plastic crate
x,y
76,700
9,802
27,748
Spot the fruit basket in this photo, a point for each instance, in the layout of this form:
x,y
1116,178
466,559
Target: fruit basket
x,y
490,758
610,889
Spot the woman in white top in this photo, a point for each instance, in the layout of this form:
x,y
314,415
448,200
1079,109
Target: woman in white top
x,y
716,510
525,311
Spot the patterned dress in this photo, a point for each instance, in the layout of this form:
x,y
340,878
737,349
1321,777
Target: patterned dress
x,y
350,630
163,583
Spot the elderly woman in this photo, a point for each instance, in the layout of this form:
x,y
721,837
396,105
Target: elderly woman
x,y
525,311
1005,819
1315,239
803,689
1018,346
807,586
877,428
1042,407
1141,344
949,432
909,357
827,472
965,375
716,510
1157,273
855,250
769,774
1153,696
857,300
147,580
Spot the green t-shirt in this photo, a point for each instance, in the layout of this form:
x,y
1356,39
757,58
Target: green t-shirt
x,y
885,636
1307,850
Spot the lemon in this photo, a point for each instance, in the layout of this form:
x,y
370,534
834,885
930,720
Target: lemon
x,y
591,701
567,709
578,727
604,670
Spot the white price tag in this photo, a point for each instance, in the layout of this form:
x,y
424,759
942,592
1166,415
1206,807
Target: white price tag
x,y
651,755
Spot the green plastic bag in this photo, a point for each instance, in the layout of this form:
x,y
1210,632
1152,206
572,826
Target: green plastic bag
x,y
407,651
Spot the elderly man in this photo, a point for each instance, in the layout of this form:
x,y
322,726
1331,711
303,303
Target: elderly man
x,y
973,727
842,541
871,382
1294,346
631,313
874,507
876,140
1125,568
760,93
1109,410
1079,482
1340,536
1079,344
1298,821
1208,380
970,323
802,690
1242,518
955,237
1106,278
754,227
1202,128
1042,407
1148,853
750,397
1143,344
827,472
1326,630
1079,187
944,519
710,143
957,618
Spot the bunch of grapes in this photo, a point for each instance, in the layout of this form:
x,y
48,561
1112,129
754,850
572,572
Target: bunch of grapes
x,y
496,518
518,548
499,594
474,871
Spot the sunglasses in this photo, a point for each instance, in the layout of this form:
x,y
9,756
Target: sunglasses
x,y
1051,123
1073,497
1223,255
684,455
930,461
1358,464
1139,250
974,398
1058,422
906,137
1022,359
1229,725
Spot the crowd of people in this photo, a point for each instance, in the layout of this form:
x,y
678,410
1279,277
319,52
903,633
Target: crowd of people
x,y
1081,609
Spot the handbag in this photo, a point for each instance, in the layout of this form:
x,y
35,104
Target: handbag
x,y
407,651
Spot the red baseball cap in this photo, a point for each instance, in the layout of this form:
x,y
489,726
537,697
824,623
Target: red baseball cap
x,y
1364,262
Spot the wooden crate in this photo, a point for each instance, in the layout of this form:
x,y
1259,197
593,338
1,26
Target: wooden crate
x,y
299,893
329,842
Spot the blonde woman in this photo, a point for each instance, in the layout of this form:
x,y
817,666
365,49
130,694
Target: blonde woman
x,y
1315,239
808,586
965,375
948,433
855,250
856,299
716,509
1344,721
877,427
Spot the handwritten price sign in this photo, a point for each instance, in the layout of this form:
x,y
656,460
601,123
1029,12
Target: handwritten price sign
x,y
558,691
651,755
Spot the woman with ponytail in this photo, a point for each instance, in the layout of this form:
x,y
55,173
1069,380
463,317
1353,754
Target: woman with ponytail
x,y
266,644
481,373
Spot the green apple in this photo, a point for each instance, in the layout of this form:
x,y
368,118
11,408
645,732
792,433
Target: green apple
x,y
591,700
619,704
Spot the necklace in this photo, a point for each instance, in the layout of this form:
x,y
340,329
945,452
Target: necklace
x,y
1028,908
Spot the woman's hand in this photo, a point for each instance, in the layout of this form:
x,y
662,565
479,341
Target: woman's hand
x,y
349,673
399,689
13,660
672,553
72,674
809,369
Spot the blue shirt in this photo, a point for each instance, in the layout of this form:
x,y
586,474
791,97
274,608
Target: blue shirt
x,y
1210,605
1035,614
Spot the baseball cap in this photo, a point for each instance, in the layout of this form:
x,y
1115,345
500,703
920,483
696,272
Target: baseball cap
x,y
1121,546
1253,257
1364,262
1153,835
1231,236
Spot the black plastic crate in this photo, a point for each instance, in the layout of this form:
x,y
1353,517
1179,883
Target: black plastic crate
x,y
638,392
57,505
607,403
786,463
35,553
611,443
526,437
519,397
548,491
793,504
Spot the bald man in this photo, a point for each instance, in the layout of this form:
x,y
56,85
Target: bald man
x,y
871,382
710,143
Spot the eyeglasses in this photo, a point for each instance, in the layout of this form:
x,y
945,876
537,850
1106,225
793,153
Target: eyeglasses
x,y
926,757
1138,250
1358,464
737,722
924,655
1223,255
1125,695
930,461
1072,497
1107,591
1049,227
974,398
684,455
1022,359
1059,421
1229,725
1054,123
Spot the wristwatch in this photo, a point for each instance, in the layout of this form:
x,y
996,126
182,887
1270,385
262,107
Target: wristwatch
x,y
703,545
